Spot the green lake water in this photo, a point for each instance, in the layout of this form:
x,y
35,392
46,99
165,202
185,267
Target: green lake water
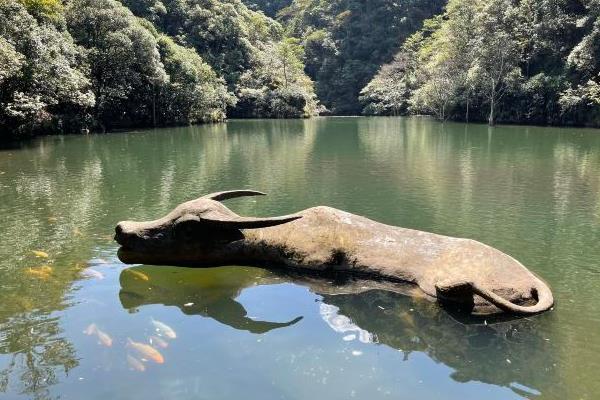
x,y
531,192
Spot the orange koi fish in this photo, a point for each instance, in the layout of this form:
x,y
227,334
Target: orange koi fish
x,y
40,254
146,351
138,274
42,272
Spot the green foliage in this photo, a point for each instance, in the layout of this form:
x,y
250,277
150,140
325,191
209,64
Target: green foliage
x,y
389,91
50,10
11,61
98,66
532,61
124,61
347,40
269,7
43,81
247,49
277,87
194,93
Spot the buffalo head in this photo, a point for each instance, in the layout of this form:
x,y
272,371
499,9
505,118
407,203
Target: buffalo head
x,y
201,231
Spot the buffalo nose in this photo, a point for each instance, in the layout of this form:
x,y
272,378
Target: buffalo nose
x,y
121,233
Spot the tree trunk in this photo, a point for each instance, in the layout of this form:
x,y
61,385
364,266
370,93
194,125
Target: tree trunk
x,y
492,99
153,105
467,113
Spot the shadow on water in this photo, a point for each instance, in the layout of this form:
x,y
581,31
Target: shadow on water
x,y
500,353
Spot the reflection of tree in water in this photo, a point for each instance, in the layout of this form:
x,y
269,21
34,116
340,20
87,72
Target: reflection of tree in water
x,y
48,205
36,352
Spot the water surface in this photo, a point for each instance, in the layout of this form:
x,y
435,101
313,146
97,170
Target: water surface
x,y
248,333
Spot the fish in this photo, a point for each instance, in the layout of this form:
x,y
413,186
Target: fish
x,y
135,364
42,272
408,319
138,274
155,340
146,351
79,266
40,253
92,273
104,338
77,232
164,329
91,329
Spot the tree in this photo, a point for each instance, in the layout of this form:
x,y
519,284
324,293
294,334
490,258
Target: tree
x,y
582,98
48,10
43,80
194,93
11,61
388,93
289,59
125,65
269,7
501,55
495,67
277,86
348,40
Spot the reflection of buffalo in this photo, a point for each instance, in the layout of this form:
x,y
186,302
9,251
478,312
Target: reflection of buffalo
x,y
507,353
210,293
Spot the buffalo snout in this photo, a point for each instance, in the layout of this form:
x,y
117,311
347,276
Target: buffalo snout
x,y
125,232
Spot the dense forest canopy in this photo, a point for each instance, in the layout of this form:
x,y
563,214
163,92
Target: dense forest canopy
x,y
269,7
531,61
80,65
346,41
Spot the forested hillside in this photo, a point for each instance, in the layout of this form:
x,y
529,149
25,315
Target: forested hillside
x,y
527,61
346,41
83,65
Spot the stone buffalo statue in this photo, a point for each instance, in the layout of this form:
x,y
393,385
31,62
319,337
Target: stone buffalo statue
x,y
324,240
